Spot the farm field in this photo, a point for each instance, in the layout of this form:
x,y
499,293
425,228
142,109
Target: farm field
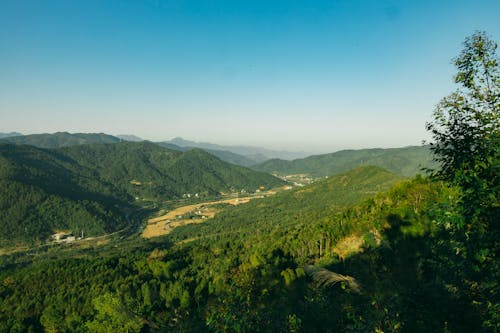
x,y
190,214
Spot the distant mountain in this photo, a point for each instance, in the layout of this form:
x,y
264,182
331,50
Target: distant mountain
x,y
256,154
10,134
81,187
61,139
224,155
129,137
406,161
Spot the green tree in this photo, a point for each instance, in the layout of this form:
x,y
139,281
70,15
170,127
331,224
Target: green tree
x,y
113,316
466,129
466,133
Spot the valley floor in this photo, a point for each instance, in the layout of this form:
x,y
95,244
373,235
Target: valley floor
x,y
163,224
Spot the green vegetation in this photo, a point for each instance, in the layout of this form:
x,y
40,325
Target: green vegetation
x,y
361,251
88,187
145,170
466,130
42,191
257,278
289,211
407,162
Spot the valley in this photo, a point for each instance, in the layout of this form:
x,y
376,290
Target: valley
x,y
249,166
164,222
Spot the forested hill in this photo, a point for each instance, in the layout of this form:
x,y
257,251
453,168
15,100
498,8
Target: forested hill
x,y
60,139
65,139
407,161
301,208
143,169
224,155
82,186
42,191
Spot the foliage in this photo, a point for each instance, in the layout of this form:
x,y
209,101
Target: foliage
x,y
42,191
258,281
146,170
88,186
466,128
466,133
363,251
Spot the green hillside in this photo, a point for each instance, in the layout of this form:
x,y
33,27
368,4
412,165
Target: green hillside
x,y
406,161
302,206
82,187
143,169
61,139
42,191
308,260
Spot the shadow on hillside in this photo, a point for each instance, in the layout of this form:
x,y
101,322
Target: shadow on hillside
x,y
403,289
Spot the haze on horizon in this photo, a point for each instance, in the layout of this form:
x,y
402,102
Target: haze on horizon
x,y
314,76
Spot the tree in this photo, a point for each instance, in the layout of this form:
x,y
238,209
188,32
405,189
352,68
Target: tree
x,y
466,133
466,129
113,316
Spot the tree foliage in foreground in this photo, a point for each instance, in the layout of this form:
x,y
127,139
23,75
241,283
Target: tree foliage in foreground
x,y
466,129
466,133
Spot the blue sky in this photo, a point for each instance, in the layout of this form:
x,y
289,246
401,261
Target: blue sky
x,y
298,75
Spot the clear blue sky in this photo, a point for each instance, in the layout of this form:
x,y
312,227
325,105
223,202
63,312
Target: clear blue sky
x,y
302,75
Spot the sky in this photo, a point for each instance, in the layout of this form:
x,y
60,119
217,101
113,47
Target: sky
x,y
315,76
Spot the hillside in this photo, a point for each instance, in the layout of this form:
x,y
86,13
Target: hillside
x,y
301,206
406,161
82,187
61,139
42,191
301,261
143,169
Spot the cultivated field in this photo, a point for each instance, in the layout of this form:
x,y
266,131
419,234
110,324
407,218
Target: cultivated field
x,y
197,213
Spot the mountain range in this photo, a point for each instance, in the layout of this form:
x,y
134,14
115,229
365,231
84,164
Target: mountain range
x,y
406,161
65,139
60,139
86,186
257,154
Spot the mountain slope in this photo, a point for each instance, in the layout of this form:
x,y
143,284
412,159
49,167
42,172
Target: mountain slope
x,y
42,191
406,161
144,169
84,187
61,139
302,206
